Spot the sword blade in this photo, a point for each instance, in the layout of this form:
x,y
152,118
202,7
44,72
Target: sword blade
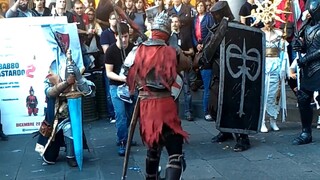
x,y
75,113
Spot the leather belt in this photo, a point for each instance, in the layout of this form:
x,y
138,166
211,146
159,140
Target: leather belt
x,y
154,95
272,52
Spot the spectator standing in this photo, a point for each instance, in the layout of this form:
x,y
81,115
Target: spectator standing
x,y
167,4
129,8
113,63
185,46
188,3
92,23
60,10
78,16
208,5
247,9
108,38
40,9
93,39
184,12
160,5
20,9
201,24
140,15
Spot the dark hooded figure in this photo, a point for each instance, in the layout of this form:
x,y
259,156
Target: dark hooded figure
x,y
308,43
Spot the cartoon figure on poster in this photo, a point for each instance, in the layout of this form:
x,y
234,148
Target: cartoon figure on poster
x,y
32,103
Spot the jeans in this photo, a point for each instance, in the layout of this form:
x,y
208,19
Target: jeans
x,y
86,57
110,108
187,95
123,111
206,75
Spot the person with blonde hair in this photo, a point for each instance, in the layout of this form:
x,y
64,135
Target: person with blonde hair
x,y
276,67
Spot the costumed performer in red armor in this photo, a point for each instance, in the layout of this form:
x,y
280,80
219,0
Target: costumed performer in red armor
x,y
155,68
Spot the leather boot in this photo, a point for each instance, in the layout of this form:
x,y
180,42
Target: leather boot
x,y
3,137
273,124
221,137
152,164
243,143
306,114
70,152
263,128
173,173
72,162
175,167
304,138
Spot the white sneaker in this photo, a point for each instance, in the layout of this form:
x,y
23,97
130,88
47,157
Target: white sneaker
x,y
273,124
112,120
208,117
264,128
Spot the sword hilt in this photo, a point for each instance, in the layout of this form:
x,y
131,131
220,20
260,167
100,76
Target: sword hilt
x,y
73,93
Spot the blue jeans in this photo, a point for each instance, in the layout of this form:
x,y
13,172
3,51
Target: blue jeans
x,y
187,95
206,75
85,57
110,108
123,112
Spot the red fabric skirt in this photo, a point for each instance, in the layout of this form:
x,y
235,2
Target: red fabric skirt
x,y
154,113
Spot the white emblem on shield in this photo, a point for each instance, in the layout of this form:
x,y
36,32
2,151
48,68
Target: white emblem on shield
x,y
244,71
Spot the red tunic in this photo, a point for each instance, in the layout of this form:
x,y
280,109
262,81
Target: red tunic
x,y
155,112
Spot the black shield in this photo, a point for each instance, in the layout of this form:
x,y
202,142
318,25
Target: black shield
x,y
241,88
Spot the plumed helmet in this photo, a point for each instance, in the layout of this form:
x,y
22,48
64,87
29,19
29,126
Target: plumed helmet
x,y
313,6
162,23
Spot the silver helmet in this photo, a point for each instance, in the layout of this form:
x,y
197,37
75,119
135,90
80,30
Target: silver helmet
x,y
162,23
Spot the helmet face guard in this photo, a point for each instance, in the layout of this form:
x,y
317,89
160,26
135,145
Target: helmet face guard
x,y
313,6
220,10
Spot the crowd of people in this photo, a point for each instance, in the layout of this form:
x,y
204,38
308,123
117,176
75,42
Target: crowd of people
x,y
106,42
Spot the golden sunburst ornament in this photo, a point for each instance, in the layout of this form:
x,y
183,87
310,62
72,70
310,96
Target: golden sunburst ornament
x,y
267,11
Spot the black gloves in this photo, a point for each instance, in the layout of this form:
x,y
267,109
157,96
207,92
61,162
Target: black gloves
x,y
297,44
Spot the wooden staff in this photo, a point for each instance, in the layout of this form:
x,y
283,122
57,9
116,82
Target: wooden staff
x,y
132,128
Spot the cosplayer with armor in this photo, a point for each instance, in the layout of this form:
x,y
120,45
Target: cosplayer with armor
x,y
32,103
309,69
156,66
57,85
220,11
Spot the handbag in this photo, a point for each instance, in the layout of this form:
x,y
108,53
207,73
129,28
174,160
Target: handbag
x,y
45,129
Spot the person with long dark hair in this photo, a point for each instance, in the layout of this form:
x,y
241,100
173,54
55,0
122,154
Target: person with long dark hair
x,y
201,24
